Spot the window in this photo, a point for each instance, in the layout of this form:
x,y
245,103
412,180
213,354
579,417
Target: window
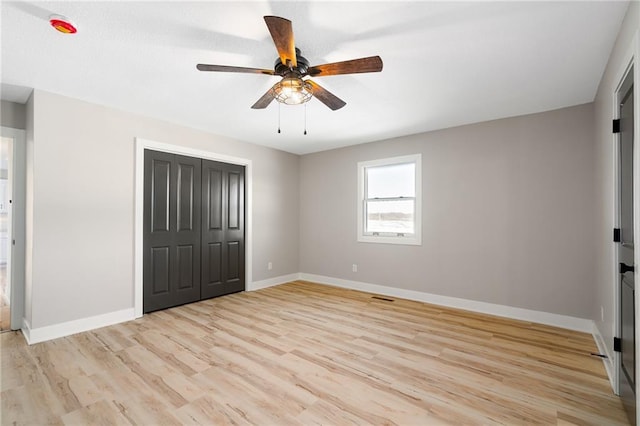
x,y
389,202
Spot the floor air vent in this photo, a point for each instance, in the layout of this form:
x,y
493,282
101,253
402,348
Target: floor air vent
x,y
382,298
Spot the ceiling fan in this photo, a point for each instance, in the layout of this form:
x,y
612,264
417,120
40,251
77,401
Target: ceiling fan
x,y
293,67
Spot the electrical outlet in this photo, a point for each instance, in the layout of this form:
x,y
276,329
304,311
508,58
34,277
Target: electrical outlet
x,y
354,267
269,266
602,313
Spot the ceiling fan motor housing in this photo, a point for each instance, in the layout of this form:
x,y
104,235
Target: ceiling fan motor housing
x,y
301,68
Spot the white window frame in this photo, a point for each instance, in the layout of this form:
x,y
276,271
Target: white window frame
x,y
389,238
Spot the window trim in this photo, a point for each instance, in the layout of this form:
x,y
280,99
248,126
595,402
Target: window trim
x,y
412,239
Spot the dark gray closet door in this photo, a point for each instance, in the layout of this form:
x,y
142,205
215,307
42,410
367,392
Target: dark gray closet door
x,y
172,227
222,229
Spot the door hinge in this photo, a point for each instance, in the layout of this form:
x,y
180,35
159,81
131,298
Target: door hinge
x,y
616,235
624,268
616,125
617,344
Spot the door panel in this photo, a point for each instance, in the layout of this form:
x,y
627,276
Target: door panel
x,y
213,195
628,353
234,234
185,269
172,211
187,229
214,268
234,201
160,182
186,197
213,201
625,248
223,235
233,260
160,268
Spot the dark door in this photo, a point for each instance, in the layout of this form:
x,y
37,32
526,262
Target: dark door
x,y
172,228
627,371
222,228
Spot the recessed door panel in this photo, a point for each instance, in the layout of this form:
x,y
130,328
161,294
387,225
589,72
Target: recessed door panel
x,y
233,260
627,346
214,198
185,197
160,195
234,200
160,270
185,267
215,263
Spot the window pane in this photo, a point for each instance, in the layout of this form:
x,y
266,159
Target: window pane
x,y
390,216
397,180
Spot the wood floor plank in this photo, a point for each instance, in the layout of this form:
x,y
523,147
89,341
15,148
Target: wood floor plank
x,y
208,411
303,353
98,413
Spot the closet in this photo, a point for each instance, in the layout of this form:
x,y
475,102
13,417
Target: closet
x,y
194,215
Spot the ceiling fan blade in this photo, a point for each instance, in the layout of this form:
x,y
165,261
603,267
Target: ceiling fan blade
x,y
354,66
326,97
282,34
265,100
226,68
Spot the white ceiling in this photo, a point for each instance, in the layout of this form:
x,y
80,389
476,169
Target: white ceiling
x,y
445,63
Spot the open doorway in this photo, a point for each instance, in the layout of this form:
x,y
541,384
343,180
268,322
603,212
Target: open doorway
x,y
6,227
625,247
12,227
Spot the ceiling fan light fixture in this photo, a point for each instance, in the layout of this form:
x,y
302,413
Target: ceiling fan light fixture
x,y
292,91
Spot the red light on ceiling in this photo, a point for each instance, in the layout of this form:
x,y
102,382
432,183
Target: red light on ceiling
x,y
62,24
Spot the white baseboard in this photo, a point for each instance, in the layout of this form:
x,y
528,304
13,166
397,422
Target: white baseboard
x,y
42,334
609,364
257,285
26,330
556,320
55,331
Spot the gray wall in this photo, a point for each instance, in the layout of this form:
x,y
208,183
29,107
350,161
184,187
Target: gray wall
x,y
507,214
604,179
82,166
13,115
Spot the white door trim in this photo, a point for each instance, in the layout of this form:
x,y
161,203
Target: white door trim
x,y
616,260
141,145
636,198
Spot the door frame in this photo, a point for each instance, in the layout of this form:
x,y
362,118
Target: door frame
x,y
18,211
142,144
629,62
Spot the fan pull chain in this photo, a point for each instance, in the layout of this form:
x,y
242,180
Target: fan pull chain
x,y
278,117
305,118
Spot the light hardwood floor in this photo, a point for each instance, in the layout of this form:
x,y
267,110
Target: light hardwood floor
x,y
303,353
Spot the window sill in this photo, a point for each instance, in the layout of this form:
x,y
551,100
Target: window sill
x,y
409,241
